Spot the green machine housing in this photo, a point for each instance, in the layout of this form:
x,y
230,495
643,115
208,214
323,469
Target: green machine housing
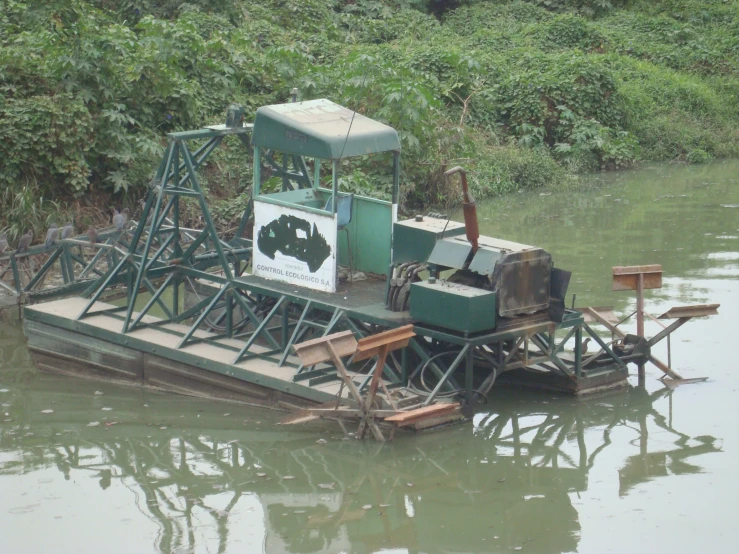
x,y
414,239
453,306
501,279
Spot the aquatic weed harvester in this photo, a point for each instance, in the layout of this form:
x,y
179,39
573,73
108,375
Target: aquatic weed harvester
x,y
430,316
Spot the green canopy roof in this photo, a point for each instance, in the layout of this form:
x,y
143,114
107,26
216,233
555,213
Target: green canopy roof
x,y
321,129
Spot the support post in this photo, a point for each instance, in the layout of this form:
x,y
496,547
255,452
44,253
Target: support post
x,y
578,351
469,367
640,323
638,278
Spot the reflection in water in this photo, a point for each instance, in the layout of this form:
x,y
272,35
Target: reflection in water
x,y
510,475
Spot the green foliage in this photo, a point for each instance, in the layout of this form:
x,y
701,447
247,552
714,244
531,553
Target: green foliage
x,y
508,168
44,141
671,113
698,156
589,8
569,31
522,93
26,208
358,182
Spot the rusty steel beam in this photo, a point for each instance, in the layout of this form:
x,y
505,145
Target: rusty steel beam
x,y
697,310
627,277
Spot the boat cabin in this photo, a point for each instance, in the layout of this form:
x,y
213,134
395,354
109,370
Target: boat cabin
x,y
304,227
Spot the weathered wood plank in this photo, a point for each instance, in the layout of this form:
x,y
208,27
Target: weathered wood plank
x,y
627,277
315,351
697,310
420,413
392,339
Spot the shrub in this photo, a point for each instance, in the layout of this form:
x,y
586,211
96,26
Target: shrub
x,y
523,93
508,168
44,140
698,156
569,31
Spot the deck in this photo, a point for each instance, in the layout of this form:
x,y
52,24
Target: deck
x,y
363,299
149,356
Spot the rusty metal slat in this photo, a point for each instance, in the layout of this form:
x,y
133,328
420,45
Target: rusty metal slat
x,y
316,351
606,312
628,277
697,310
636,269
369,346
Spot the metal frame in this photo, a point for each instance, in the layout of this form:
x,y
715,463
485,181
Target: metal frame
x,y
65,259
166,251
488,355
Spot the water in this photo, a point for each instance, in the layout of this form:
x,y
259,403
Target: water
x,y
641,471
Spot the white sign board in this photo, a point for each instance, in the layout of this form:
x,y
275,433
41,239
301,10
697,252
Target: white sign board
x,y
294,246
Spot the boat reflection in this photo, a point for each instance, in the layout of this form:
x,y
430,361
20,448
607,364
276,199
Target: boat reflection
x,y
507,480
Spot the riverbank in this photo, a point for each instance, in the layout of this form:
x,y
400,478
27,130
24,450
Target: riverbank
x,y
521,95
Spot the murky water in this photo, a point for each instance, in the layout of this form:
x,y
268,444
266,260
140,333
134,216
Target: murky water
x,y
88,467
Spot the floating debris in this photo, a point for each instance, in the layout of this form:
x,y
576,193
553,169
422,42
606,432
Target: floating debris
x,y
367,507
4,390
47,411
321,441
409,484
227,414
384,505
287,477
106,408
327,485
98,393
93,424
261,475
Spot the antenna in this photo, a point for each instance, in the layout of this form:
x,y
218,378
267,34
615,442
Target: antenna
x,y
354,112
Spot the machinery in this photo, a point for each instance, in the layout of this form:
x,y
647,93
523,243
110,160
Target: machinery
x,y
474,283
457,310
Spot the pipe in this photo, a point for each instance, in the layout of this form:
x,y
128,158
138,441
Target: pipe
x,y
469,208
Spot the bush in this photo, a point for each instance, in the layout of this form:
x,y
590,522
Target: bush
x,y
508,168
44,141
589,8
698,156
671,113
569,32
522,93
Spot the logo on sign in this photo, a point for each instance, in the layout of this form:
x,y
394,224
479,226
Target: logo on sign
x,y
296,238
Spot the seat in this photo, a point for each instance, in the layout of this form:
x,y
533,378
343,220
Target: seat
x,y
344,211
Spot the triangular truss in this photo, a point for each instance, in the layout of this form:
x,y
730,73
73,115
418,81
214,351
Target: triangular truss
x,y
161,251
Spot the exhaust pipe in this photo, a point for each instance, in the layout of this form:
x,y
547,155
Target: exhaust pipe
x,y
469,208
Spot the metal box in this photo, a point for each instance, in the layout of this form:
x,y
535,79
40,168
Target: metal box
x,y
519,273
453,306
414,240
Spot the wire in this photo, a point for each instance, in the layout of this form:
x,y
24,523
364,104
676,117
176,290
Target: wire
x,y
428,391
354,113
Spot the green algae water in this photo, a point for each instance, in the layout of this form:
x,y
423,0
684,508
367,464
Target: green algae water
x,y
90,467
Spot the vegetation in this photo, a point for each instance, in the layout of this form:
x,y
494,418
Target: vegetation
x,y
522,93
